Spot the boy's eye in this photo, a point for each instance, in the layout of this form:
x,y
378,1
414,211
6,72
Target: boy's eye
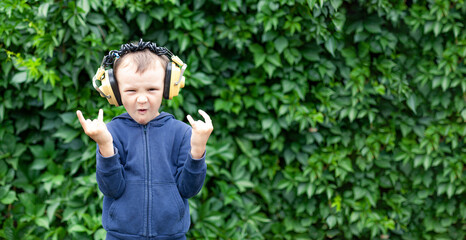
x,y
153,89
130,90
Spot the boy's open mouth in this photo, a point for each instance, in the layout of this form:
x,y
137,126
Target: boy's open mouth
x,y
142,111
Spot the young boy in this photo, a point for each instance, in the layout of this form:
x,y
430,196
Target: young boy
x,y
148,163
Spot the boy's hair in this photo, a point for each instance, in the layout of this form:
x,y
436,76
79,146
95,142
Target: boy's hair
x,y
143,60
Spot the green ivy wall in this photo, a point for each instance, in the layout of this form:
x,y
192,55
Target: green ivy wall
x,y
333,119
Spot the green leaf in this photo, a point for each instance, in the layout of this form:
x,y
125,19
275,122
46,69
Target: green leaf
x,y
51,210
77,228
311,3
143,21
412,102
311,54
244,184
346,164
339,19
184,42
49,99
158,13
336,4
9,198
331,45
269,68
275,59
437,28
267,123
84,5
372,26
358,193
258,53
95,18
280,44
20,77
42,222
66,133
352,114
331,221
43,9
450,190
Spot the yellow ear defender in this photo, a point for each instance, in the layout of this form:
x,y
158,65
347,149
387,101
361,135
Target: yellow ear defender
x,y
173,82
174,79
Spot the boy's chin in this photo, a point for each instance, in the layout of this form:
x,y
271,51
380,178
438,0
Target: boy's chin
x,y
143,119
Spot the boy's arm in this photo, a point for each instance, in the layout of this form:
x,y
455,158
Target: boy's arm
x,y
97,130
192,170
200,134
110,177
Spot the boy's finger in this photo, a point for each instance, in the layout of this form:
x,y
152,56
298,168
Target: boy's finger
x,y
81,119
205,115
100,117
190,120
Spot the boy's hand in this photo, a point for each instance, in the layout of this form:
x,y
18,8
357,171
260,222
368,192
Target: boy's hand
x,y
97,130
200,135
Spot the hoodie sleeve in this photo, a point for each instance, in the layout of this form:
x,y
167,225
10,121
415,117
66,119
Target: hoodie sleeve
x,y
190,173
110,174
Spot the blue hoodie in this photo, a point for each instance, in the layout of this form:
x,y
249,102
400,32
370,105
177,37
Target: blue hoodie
x,y
147,182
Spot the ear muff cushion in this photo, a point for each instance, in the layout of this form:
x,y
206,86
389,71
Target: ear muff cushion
x,y
114,84
167,82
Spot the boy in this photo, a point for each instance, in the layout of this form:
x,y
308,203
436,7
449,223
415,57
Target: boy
x,y
148,163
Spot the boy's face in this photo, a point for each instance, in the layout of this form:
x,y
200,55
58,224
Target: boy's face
x,y
141,94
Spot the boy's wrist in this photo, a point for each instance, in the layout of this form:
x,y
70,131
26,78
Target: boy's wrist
x,y
197,153
106,149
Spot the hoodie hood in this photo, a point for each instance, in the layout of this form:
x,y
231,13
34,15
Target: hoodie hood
x,y
157,121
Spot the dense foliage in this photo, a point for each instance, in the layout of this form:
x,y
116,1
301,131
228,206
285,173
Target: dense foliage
x,y
333,119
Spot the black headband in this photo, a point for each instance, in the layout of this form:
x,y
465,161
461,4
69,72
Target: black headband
x,y
131,47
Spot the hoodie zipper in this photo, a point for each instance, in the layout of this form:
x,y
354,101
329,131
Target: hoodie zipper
x,y
147,181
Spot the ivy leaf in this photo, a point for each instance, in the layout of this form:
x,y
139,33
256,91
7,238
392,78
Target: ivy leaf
x,y
143,21
331,221
184,42
84,5
412,102
244,184
42,222
269,68
77,228
331,45
437,28
267,123
450,190
20,77
66,133
336,4
49,99
346,164
9,198
258,53
311,3
339,20
280,44
43,10
275,60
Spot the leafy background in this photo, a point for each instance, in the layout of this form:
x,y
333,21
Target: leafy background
x,y
333,119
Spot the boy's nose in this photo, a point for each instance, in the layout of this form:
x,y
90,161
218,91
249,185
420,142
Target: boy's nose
x,y
142,99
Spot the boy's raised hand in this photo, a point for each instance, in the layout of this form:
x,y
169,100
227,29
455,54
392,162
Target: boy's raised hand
x,y
200,134
97,130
